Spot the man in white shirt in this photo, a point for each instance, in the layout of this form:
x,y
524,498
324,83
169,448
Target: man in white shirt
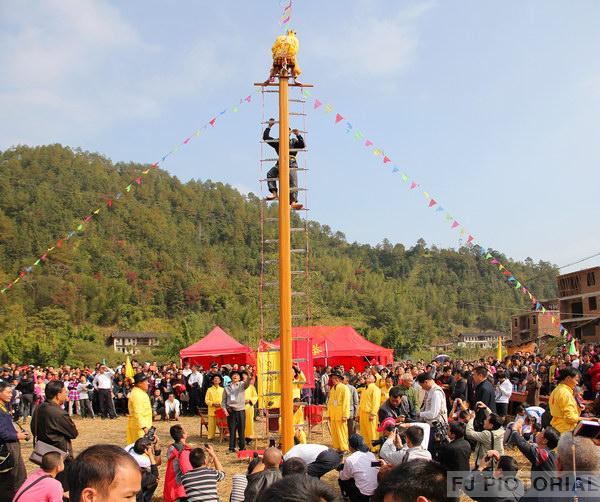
x,y
394,452
319,458
172,407
195,383
103,382
504,389
358,478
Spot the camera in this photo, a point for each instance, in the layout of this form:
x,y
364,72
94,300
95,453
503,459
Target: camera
x,y
340,468
151,434
378,442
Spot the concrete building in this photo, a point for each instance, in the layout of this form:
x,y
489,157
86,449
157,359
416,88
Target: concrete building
x,y
579,297
485,340
128,342
534,326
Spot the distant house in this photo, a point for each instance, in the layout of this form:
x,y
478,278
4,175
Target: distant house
x,y
129,342
485,340
535,326
579,294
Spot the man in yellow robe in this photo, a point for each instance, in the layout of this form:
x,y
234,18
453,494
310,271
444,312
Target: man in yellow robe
x,y
370,401
140,409
385,389
298,422
213,399
297,382
338,409
251,397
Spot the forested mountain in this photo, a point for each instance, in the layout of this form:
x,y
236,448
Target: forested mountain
x,y
181,257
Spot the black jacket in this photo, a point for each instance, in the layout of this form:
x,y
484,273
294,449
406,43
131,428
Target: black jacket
x,y
260,481
485,393
482,487
295,143
543,462
52,424
455,455
459,390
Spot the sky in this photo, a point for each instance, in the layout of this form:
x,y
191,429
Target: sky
x,y
492,108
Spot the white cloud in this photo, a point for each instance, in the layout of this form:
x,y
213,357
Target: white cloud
x,y
72,68
373,44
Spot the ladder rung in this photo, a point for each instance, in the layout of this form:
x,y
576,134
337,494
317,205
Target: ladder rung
x,y
298,250
298,150
270,262
274,415
299,360
272,372
298,114
269,394
271,283
270,241
299,189
297,100
271,305
299,316
298,272
269,160
298,293
297,229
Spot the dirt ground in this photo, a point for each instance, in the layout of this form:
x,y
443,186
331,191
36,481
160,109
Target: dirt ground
x,y
114,432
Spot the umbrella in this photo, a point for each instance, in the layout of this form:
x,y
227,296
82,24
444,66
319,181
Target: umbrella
x,y
442,358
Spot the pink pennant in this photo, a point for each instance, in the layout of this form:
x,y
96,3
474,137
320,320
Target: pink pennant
x,y
494,261
212,122
338,118
469,239
87,218
368,143
432,202
43,257
248,99
109,202
317,104
413,185
22,274
386,159
187,141
455,224
138,180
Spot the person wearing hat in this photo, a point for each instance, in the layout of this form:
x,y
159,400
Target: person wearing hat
x,y
370,401
140,409
214,398
338,409
358,478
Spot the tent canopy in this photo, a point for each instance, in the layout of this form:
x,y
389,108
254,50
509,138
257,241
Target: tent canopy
x,y
217,346
334,345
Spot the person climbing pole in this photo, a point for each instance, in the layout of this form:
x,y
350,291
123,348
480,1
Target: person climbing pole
x,y
296,144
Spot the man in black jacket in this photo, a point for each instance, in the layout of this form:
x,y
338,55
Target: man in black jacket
x,y
485,393
52,424
296,144
455,455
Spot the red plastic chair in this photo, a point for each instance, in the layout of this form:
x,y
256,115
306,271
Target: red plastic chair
x,y
222,423
313,415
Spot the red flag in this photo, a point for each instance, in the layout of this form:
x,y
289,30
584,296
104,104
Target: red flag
x,y
368,143
22,274
386,159
212,121
338,118
109,202
432,202
138,180
154,165
59,243
506,272
187,140
87,218
317,104
413,185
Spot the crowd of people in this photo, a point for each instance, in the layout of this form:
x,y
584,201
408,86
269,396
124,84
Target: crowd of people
x,y
410,431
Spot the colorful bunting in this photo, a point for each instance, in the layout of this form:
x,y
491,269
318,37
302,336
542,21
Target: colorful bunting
x,y
317,104
338,118
386,159
432,202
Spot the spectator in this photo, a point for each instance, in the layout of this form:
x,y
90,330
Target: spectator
x,y
354,405
250,399
104,473
395,452
298,488
490,438
503,392
103,384
264,474
239,482
496,484
142,451
195,383
27,388
358,478
397,406
418,481
41,485
85,404
214,398
370,401
140,409
178,463
11,480
158,405
201,482
562,404
172,408
338,410
319,458
52,424
455,455
459,390
294,465
484,393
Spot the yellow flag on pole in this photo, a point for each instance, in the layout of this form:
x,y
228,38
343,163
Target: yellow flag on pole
x,y
499,350
129,373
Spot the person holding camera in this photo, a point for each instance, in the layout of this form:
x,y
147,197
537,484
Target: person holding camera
x,y
140,409
495,480
201,482
490,438
456,454
394,451
358,477
144,453
12,475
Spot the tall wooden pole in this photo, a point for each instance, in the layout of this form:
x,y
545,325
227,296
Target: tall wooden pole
x,y
285,273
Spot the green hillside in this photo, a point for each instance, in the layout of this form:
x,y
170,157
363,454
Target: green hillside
x,y
181,257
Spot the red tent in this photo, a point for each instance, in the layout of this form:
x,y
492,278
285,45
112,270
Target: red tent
x,y
217,346
333,345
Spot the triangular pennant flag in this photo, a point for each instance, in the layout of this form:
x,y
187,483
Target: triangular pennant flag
x,y
37,262
248,98
96,211
328,108
377,151
348,127
59,243
469,239
154,165
500,267
511,279
22,274
138,180
80,227
426,195
439,209
317,104
118,196
455,224
43,257
368,143
109,202
50,249
212,121
16,280
517,285
395,170
488,256
223,112
462,231
449,217
186,140
494,261
413,185
128,188
88,218
71,234
506,272
338,118
146,171
234,110
432,202
543,310
404,177
358,135
306,93
386,159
